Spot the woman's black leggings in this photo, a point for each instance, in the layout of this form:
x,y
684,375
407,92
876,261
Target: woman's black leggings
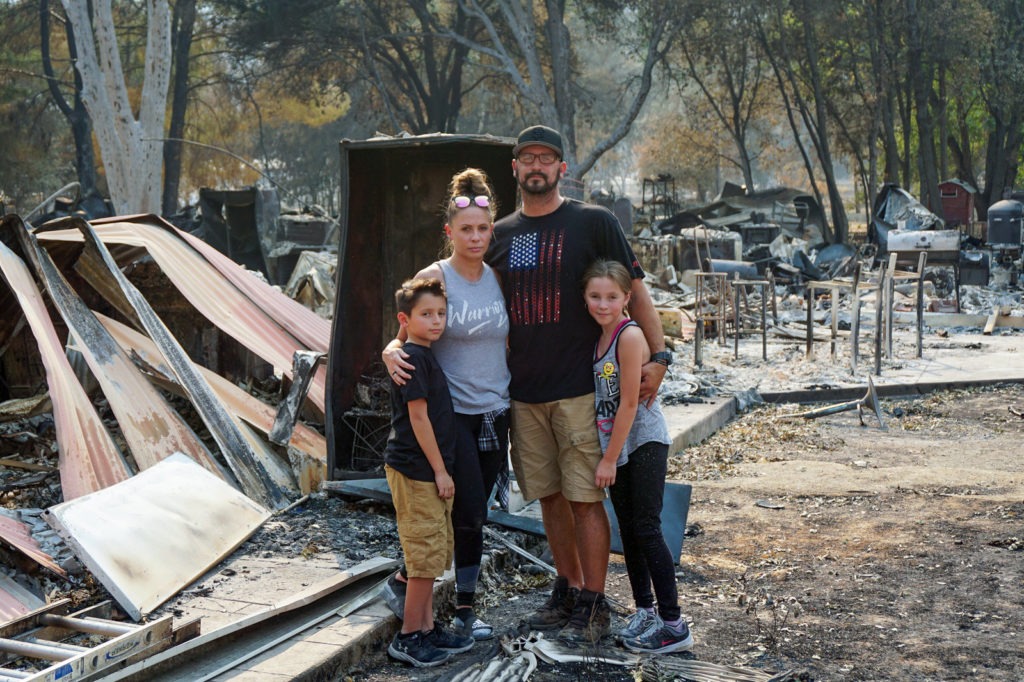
x,y
474,476
637,497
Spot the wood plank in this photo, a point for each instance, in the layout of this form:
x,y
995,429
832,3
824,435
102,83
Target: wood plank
x,y
990,324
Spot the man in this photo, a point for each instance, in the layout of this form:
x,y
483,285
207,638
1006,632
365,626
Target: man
x,y
541,251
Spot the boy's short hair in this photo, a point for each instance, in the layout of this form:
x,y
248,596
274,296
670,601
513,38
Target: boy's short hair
x,y
412,290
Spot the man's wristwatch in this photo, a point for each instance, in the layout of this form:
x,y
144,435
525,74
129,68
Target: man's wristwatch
x,y
662,357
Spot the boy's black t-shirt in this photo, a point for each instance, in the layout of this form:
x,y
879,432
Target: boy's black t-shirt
x,y
403,452
541,261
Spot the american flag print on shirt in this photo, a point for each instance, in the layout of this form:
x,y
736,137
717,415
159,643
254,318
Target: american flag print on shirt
x,y
534,271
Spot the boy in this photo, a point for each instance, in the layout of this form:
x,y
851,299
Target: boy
x,y
418,459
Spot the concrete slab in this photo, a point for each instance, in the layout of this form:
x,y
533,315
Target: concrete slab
x,y
691,423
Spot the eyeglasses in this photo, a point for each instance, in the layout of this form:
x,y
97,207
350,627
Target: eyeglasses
x,y
547,158
462,201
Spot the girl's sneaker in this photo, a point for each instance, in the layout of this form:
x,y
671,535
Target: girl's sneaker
x,y
417,649
661,640
639,623
466,623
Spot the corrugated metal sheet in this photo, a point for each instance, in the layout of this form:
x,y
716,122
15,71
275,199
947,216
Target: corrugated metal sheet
x,y
151,427
19,536
15,600
89,460
247,320
241,403
249,468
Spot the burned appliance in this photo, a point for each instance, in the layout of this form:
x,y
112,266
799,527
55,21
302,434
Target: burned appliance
x,y
1005,230
941,246
1005,219
975,268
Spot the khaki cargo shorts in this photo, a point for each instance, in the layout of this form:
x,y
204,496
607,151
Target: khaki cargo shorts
x,y
424,525
555,449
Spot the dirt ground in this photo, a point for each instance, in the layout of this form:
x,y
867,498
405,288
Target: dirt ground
x,y
834,550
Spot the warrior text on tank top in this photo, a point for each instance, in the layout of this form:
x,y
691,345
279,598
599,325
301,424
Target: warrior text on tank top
x,y
648,426
472,350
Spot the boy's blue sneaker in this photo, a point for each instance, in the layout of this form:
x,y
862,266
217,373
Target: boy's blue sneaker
x,y
446,640
639,623
417,649
394,596
663,640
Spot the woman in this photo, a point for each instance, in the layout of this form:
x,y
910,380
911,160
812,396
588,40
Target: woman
x,y
472,354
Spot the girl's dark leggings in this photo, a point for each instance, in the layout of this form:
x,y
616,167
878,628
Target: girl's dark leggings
x,y
637,497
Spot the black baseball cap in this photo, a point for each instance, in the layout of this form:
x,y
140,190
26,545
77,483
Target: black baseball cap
x,y
542,135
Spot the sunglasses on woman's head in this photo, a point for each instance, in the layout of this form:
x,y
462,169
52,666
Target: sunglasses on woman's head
x,y
463,201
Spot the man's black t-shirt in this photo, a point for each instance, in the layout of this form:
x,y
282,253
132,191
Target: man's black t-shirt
x,y
541,261
403,452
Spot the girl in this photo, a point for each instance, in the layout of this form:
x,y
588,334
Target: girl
x,y
472,354
634,440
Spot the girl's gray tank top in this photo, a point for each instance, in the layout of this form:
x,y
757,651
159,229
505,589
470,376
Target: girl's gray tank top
x,y
648,425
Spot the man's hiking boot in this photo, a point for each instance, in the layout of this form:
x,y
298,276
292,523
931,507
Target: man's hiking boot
x,y
590,621
555,612
417,649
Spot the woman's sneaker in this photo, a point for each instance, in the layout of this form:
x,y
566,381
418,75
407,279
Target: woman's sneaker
x,y
417,649
446,640
468,624
639,623
661,640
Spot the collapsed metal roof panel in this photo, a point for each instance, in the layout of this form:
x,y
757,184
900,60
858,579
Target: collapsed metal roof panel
x,y
241,403
88,459
152,429
250,470
18,535
215,297
15,600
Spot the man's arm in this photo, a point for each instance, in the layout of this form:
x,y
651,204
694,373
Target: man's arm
x,y
641,309
424,431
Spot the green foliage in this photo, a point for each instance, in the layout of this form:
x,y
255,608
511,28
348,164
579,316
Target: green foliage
x,y
278,82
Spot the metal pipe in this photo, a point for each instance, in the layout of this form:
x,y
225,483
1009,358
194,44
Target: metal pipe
x,y
870,398
736,316
810,322
878,319
855,322
921,261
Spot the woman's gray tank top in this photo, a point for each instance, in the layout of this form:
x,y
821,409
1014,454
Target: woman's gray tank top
x,y
648,425
472,350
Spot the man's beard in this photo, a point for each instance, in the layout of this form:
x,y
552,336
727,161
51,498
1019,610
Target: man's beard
x,y
545,187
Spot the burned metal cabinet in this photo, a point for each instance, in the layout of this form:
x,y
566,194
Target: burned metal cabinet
x,y
392,202
241,223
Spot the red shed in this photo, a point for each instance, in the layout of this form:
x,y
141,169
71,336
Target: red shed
x,y
957,202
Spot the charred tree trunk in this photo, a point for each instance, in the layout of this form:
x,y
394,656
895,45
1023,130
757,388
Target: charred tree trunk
x,y
182,26
76,113
920,74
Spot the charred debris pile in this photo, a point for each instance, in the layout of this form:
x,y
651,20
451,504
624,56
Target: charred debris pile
x,y
153,381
